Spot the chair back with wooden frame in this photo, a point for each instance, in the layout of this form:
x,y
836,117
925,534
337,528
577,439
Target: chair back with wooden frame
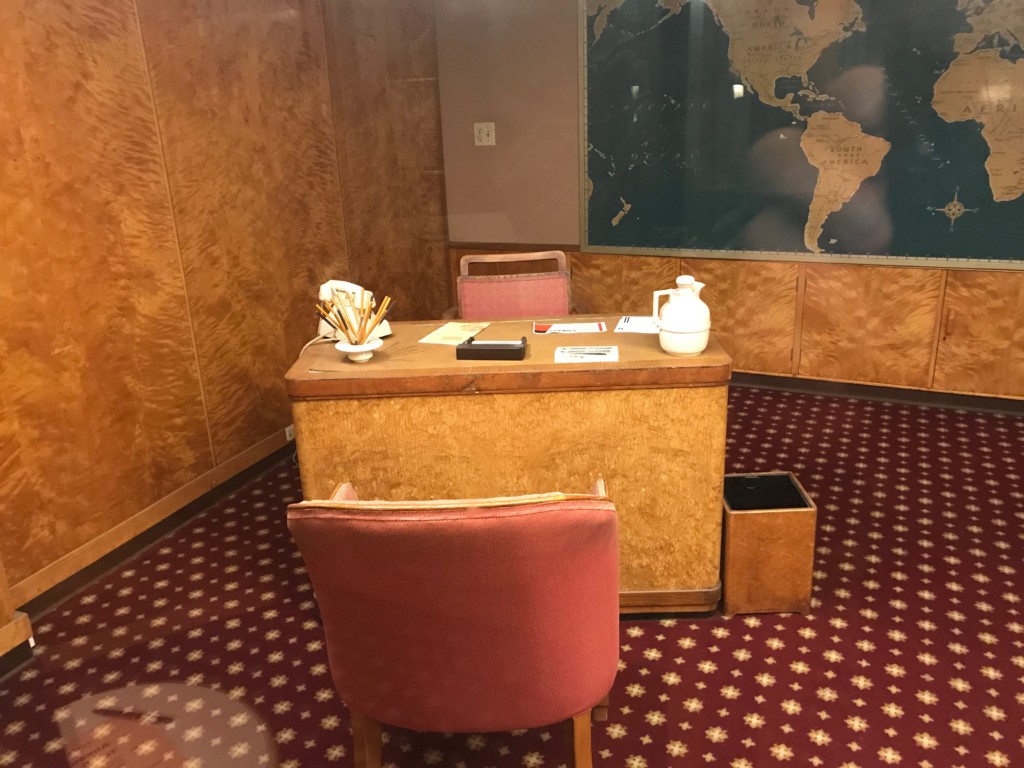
x,y
466,616
519,291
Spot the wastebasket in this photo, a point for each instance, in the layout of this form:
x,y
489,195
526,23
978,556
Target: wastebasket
x,y
769,544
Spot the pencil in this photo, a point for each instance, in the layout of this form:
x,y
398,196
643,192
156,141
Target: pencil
x,y
382,311
364,305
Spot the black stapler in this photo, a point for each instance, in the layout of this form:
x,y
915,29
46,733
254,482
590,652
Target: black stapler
x,y
471,349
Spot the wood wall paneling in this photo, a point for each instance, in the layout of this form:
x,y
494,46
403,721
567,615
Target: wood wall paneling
x,y
621,284
981,340
101,412
869,324
169,201
243,105
382,59
753,309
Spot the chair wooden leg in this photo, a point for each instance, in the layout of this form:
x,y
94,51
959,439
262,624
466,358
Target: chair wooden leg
x,y
600,711
365,740
579,734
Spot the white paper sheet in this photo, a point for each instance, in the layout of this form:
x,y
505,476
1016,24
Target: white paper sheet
x,y
453,334
637,324
586,354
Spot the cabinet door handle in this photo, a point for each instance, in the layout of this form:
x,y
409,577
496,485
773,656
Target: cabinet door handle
x,y
950,318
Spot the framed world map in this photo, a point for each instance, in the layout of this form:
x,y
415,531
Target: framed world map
x,y
856,130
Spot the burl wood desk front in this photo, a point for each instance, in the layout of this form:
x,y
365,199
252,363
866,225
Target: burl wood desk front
x,y
415,423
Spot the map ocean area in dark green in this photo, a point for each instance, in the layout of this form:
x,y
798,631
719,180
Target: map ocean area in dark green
x,y
701,169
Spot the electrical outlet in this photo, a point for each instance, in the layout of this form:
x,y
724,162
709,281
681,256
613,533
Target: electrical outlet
x,y
289,432
483,134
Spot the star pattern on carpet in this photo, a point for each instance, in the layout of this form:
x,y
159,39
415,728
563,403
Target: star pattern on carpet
x,y
912,654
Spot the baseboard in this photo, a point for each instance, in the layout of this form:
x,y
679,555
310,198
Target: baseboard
x,y
92,551
14,632
15,658
671,601
1013,406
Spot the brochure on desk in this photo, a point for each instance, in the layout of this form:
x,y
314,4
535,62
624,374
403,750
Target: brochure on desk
x,y
596,327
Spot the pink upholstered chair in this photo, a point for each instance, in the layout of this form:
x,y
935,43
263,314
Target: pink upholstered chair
x,y
516,293
466,616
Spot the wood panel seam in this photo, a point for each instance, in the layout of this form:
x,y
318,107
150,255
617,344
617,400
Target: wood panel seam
x,y
174,229
937,336
798,320
452,290
331,95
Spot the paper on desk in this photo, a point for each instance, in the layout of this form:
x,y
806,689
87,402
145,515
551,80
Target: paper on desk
x,y
637,324
569,327
586,354
453,334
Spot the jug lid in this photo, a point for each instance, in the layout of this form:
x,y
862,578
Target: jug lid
x,y
685,280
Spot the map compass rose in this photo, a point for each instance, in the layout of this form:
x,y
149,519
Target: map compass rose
x,y
954,209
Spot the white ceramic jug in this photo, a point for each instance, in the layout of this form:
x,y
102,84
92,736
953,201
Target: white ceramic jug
x,y
684,323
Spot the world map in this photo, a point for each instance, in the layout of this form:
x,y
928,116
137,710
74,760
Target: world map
x,y
827,127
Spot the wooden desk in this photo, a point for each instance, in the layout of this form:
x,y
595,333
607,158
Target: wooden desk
x,y
415,423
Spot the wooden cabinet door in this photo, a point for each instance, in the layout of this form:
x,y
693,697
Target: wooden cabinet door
x,y
981,343
753,310
869,324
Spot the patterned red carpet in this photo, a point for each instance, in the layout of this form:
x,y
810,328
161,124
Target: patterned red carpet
x,y
913,656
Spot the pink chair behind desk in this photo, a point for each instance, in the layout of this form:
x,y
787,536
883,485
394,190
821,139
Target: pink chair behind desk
x,y
466,616
520,293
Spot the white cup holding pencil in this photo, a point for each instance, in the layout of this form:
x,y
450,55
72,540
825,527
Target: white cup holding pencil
x,y
353,317
359,353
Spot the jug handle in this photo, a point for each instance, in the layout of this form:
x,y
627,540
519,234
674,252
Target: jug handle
x,y
656,295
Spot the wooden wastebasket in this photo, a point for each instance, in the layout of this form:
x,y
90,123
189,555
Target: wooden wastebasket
x,y
769,544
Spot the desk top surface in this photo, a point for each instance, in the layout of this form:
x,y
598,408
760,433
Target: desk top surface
x,y
403,366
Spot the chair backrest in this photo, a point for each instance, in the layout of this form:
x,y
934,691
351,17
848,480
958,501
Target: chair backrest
x,y
515,293
466,615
